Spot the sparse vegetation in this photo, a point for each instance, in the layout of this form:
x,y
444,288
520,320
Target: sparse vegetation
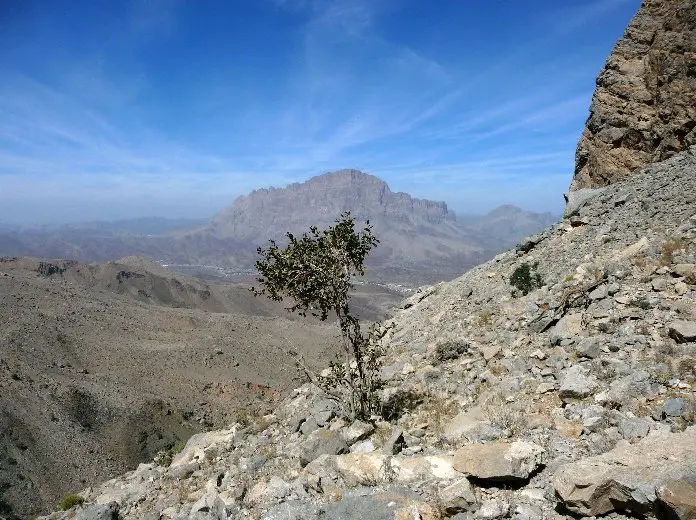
x,y
398,404
315,271
165,457
70,501
525,278
641,302
668,248
449,350
507,416
485,317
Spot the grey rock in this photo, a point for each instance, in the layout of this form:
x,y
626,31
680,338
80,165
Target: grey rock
x,y
577,383
321,442
622,390
458,497
685,270
528,243
599,293
366,446
578,198
395,443
324,410
659,284
674,407
492,509
576,221
470,425
309,425
588,348
96,512
212,504
528,512
632,427
357,431
499,461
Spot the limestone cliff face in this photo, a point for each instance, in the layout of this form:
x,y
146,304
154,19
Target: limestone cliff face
x,y
644,107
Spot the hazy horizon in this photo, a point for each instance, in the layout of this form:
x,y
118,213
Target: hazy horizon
x,y
173,109
174,214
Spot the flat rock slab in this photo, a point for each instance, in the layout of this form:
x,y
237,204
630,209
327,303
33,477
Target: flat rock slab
x,y
628,477
374,468
499,461
682,331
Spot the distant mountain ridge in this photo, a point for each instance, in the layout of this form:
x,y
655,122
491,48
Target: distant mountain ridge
x,y
421,241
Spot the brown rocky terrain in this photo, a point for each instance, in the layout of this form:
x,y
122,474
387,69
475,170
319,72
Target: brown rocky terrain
x,y
102,366
644,107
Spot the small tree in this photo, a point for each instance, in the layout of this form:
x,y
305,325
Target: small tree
x,y
316,272
525,278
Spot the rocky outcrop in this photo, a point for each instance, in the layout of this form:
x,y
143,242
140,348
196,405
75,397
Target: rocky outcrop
x,y
644,108
628,477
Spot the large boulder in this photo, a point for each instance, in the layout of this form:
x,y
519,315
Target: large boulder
x,y
499,461
682,331
629,476
369,469
577,383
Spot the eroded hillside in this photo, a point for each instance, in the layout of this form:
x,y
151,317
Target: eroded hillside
x,y
102,366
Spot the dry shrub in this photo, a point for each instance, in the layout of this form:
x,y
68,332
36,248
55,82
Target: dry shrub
x,y
668,248
438,411
484,317
506,416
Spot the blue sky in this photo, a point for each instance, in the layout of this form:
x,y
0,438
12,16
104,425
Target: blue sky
x,y
173,108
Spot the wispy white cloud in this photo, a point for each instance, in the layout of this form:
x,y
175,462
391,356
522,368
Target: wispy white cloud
x,y
352,97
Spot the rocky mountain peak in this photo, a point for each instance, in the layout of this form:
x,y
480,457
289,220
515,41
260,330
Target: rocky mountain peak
x,y
644,107
318,201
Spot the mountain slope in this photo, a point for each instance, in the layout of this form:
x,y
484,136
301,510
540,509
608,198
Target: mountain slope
x,y
101,366
574,400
